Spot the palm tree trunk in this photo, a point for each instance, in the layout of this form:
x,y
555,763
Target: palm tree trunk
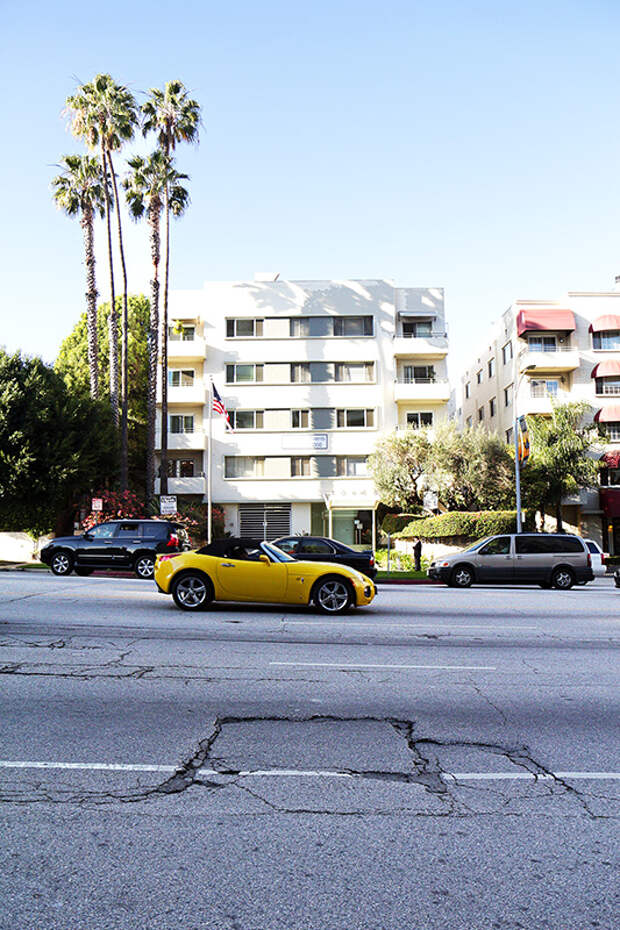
x,y
558,517
153,216
87,222
125,337
163,468
113,321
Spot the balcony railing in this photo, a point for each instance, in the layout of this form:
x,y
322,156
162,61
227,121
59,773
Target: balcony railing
x,y
556,348
607,389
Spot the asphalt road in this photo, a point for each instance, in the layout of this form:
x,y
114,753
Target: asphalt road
x,y
441,759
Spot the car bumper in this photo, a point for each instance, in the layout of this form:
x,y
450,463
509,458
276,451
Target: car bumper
x,y
439,574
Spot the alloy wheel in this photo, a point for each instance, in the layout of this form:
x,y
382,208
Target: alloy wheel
x,y
333,596
462,577
61,564
563,579
145,567
191,591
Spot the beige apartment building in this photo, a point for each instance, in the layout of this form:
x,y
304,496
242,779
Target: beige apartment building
x,y
545,351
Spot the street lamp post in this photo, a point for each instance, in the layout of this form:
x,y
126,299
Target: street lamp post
x,y
516,385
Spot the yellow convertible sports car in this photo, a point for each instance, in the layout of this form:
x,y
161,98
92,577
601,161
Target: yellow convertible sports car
x,y
248,570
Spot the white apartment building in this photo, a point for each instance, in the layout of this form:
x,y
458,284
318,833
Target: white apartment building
x,y
556,350
311,372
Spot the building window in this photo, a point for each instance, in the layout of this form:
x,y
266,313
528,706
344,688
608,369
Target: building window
x,y
355,371
181,468
300,419
181,333
181,378
246,419
492,407
479,376
412,330
608,385
353,326
300,373
238,374
469,423
480,414
243,466
419,420
351,465
543,388
180,423
507,353
607,339
612,431
467,390
508,395
542,344
418,374
491,367
301,466
509,435
244,328
354,419
613,476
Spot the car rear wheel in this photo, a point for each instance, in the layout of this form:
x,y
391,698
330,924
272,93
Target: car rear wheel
x,y
332,596
192,591
62,563
563,579
462,577
144,566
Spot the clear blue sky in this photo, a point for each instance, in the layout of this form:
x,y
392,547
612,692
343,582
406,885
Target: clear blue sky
x,y
471,145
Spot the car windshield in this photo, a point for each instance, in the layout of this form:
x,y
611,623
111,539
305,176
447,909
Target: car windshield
x,y
478,544
276,554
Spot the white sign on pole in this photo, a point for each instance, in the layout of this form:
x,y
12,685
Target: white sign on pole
x,y
97,503
167,504
430,500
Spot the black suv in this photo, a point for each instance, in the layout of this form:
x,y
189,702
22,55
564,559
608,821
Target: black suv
x,y
115,544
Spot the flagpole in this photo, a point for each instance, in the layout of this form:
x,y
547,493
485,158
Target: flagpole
x,y
209,471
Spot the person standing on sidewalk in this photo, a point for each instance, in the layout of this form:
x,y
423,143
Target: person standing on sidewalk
x,y
417,554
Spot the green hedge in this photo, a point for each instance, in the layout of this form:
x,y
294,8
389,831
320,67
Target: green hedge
x,y
462,523
395,522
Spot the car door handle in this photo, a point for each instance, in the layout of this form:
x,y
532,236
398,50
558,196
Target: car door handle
x,y
226,565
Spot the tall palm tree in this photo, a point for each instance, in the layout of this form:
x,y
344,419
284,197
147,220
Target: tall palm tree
x,y
104,113
79,191
145,188
174,117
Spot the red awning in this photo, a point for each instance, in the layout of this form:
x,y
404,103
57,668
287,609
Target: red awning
x,y
610,501
609,321
611,459
609,414
606,368
545,320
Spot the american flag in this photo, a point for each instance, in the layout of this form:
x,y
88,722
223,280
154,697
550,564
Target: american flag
x,y
218,406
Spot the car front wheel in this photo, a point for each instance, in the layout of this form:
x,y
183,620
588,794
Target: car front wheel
x,y
192,591
332,596
62,563
462,577
563,579
144,566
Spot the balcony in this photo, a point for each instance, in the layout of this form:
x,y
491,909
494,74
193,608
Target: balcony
x,y
185,349
193,396
423,389
195,440
538,400
434,346
562,358
197,484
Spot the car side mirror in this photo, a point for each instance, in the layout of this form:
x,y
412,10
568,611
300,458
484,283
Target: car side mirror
x,y
265,559
88,535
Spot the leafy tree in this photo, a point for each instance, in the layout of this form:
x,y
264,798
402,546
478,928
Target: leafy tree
x,y
71,365
471,470
79,191
145,188
397,466
104,113
559,463
55,444
174,117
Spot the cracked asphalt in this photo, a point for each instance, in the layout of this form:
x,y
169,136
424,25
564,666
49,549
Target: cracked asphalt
x,y
442,759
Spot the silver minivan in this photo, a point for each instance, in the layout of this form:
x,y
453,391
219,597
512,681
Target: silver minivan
x,y
548,559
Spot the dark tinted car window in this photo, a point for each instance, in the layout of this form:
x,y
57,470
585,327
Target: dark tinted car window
x,y
103,531
316,546
128,529
567,544
157,528
288,545
592,547
547,545
499,546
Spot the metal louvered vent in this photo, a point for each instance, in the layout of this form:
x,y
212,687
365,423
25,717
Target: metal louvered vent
x,y
264,521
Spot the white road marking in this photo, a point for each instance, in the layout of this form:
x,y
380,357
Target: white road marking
x,y
359,665
306,773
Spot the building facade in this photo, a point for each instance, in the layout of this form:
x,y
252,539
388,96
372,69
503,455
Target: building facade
x,y
541,352
311,373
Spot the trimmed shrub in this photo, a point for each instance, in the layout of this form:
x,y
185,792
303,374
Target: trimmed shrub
x,y
462,524
395,522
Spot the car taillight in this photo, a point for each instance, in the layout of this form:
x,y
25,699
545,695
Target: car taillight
x,y
164,558
372,560
173,540
589,560
604,556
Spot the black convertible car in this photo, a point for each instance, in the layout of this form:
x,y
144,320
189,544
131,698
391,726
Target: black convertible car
x,y
320,549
